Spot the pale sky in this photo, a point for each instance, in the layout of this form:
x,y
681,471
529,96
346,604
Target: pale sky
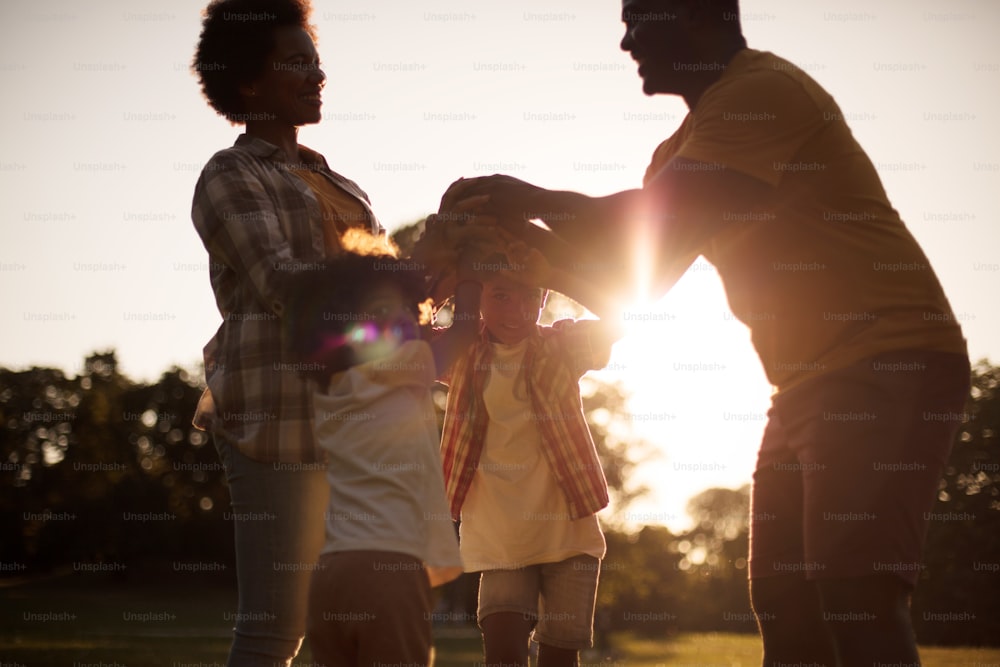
x,y
104,132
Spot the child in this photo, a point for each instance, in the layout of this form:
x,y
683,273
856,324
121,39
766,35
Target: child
x,y
389,535
521,469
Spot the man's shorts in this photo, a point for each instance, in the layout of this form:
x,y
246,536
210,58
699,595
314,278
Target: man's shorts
x,y
849,467
560,597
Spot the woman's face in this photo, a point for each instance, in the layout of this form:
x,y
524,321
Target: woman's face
x,y
289,89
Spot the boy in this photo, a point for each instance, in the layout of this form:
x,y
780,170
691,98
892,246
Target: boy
x,y
389,537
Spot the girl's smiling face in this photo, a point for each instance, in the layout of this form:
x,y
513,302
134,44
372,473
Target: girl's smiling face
x,y
510,310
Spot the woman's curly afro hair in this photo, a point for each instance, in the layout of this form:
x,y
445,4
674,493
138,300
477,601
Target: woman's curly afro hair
x,y
236,38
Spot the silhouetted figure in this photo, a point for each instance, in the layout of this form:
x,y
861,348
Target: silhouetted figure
x,y
264,208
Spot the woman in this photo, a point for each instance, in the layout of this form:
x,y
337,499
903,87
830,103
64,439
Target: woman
x,y
264,208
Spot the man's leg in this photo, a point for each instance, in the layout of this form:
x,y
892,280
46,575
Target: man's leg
x,y
872,440
787,605
870,619
790,619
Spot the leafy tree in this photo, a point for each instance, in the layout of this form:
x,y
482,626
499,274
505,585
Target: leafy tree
x,y
722,513
38,408
642,585
715,558
81,457
101,469
405,237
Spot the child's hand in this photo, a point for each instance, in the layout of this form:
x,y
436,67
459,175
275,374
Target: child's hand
x,y
457,249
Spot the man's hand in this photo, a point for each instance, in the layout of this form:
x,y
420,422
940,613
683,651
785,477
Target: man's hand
x,y
509,200
446,232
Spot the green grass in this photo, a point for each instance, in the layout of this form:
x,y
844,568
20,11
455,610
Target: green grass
x,y
736,650
94,621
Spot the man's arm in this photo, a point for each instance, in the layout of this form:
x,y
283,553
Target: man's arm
x,y
681,208
693,201
575,217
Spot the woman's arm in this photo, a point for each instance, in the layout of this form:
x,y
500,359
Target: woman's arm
x,y
240,226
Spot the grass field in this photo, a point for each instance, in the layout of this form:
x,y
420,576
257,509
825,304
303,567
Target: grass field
x,y
72,622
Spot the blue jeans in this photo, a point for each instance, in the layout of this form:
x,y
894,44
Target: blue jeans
x,y
278,514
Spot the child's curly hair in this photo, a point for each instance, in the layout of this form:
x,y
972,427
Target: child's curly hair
x,y
323,302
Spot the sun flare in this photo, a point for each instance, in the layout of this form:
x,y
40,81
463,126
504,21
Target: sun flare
x,y
696,391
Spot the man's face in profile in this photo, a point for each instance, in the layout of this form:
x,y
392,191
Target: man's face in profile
x,y
658,39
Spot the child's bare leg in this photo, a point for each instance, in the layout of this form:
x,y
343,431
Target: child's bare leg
x,y
553,656
505,639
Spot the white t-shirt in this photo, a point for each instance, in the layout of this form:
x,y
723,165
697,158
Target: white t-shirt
x,y
378,427
515,514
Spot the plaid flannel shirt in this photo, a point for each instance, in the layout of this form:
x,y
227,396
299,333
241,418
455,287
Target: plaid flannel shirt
x,y
554,361
259,221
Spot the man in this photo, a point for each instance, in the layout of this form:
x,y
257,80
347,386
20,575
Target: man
x,y
765,179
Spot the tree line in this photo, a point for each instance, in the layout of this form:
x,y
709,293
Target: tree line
x,y
99,473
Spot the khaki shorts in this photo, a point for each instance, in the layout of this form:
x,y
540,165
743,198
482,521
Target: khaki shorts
x,y
559,597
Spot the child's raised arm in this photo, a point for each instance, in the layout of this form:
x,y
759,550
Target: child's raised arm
x,y
451,342
530,266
